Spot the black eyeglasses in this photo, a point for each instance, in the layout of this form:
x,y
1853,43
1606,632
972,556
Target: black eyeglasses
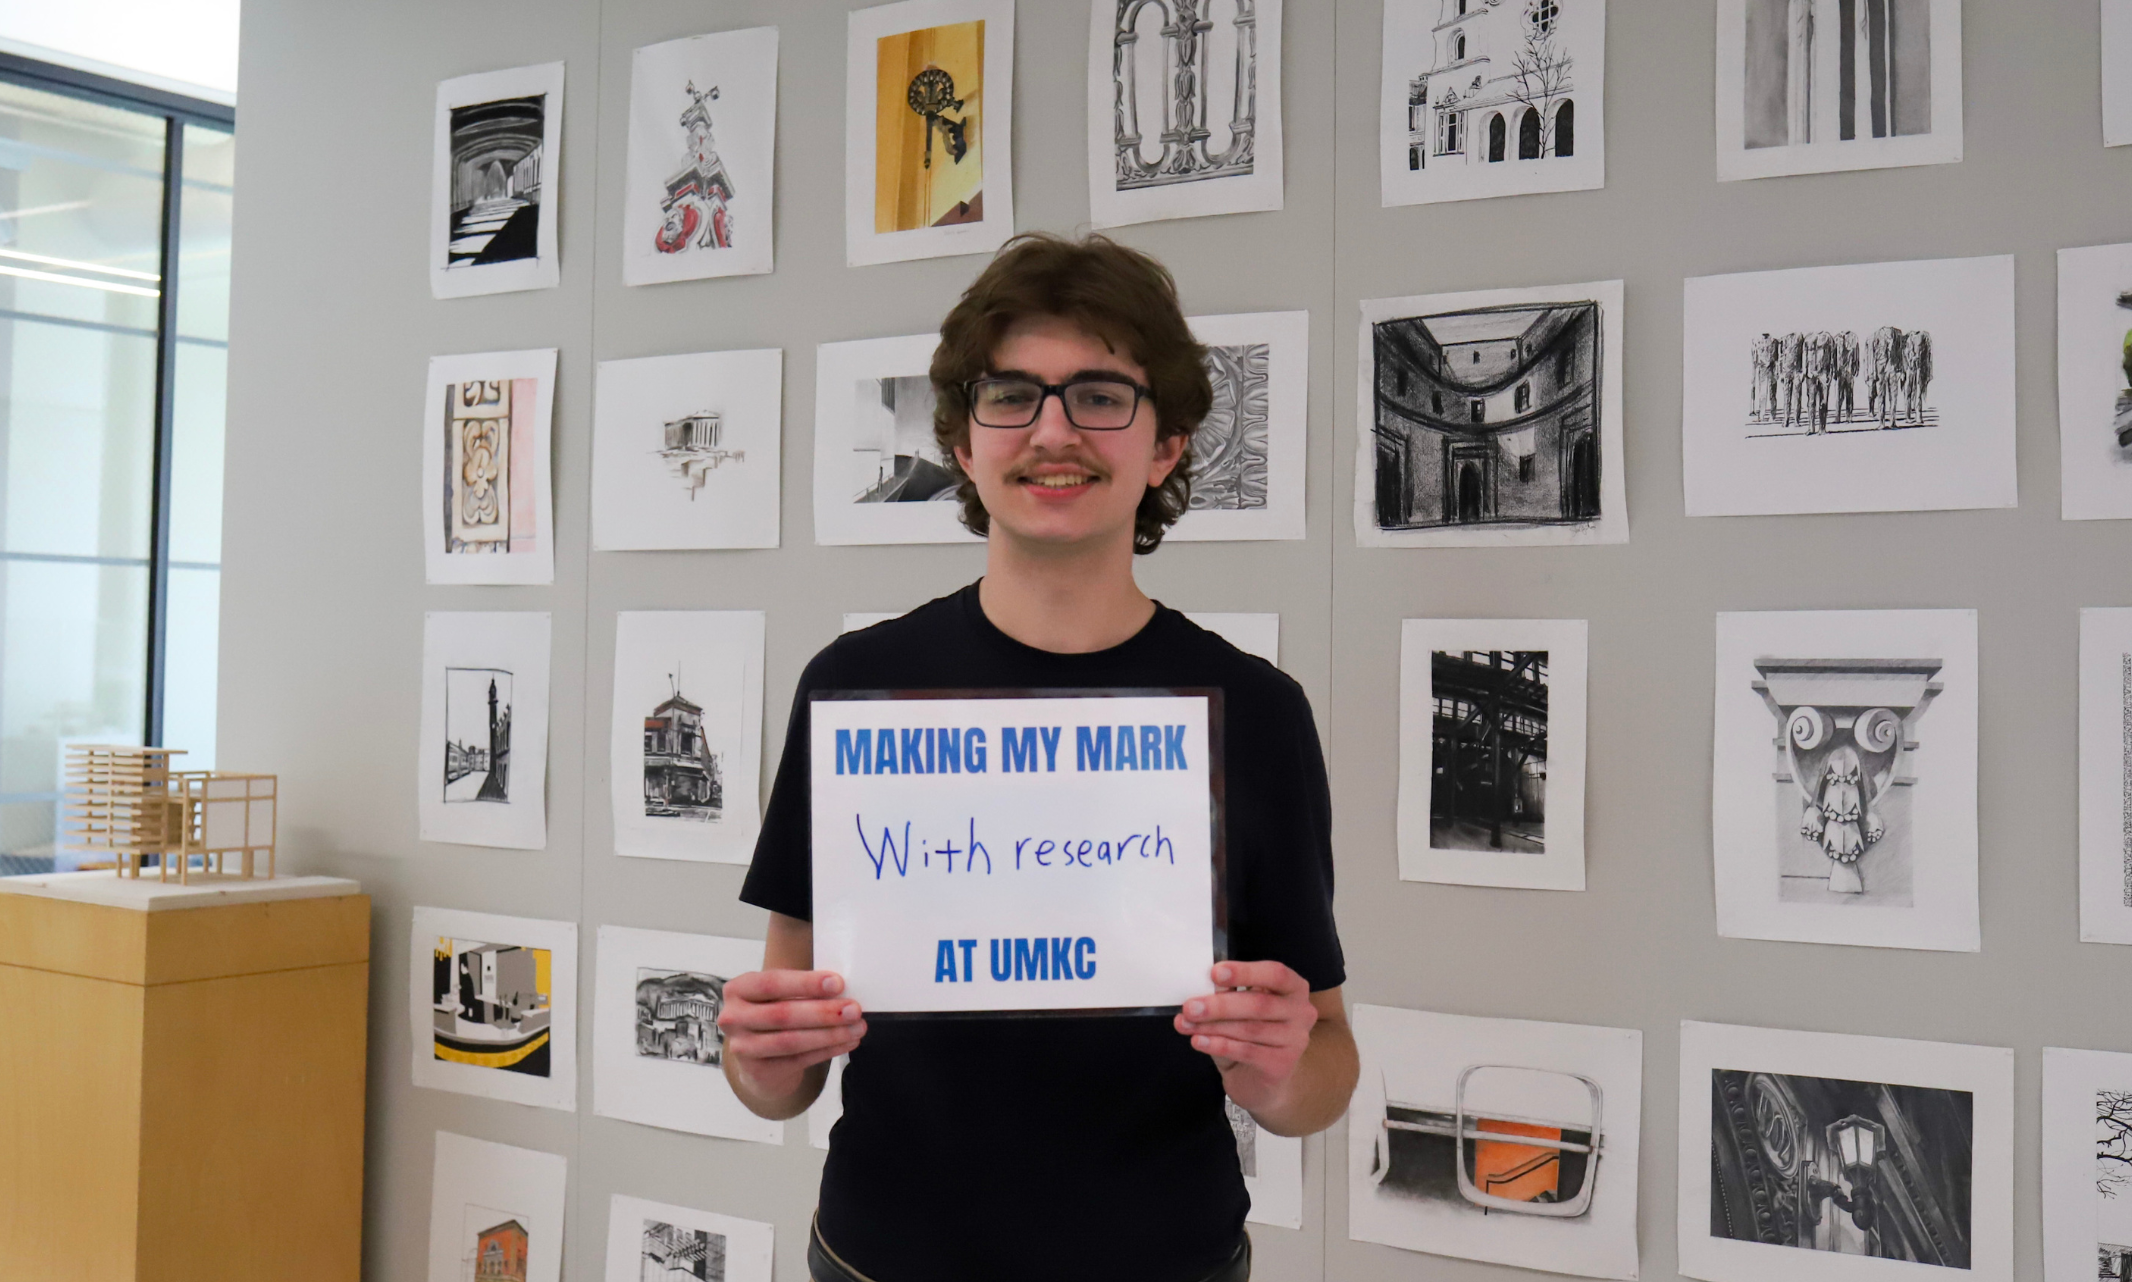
x,y
1093,404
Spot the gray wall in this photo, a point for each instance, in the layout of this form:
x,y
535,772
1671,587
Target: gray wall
x,y
323,594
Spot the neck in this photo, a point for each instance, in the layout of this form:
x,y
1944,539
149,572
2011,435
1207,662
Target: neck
x,y
1065,600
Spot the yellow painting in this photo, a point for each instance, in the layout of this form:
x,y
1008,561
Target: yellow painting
x,y
929,158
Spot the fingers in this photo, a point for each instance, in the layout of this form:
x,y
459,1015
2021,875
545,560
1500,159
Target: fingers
x,y
1272,976
758,1017
1271,1059
1216,1007
804,1046
783,985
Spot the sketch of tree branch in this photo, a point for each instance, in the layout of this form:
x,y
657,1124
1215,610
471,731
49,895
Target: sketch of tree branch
x,y
2113,1142
1540,78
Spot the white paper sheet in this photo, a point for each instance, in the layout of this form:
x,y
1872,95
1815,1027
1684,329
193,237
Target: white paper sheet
x,y
1250,452
656,1048
873,442
1258,634
488,513
854,620
2105,776
2116,56
699,196
1452,838
1930,422
1786,104
503,1024
478,1191
655,1242
1871,714
939,182
686,450
1273,1171
2094,389
1519,430
698,673
461,797
1479,78
1236,81
507,172
2087,1138
1421,1068
1911,1089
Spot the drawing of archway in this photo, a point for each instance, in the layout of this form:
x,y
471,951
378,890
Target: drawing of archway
x,y
1566,128
1529,135
1584,479
1497,133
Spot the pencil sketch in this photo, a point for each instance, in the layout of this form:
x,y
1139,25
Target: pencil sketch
x,y
892,440
492,1005
670,1254
653,1242
1827,1164
1250,454
496,160
1808,384
1489,416
1846,737
693,448
1229,450
2106,776
1179,78
477,734
1488,764
683,777
685,451
702,130
1246,1128
677,1015
697,212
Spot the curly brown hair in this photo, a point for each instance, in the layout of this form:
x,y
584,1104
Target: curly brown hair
x,y
1116,294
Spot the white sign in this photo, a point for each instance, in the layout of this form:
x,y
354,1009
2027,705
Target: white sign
x,y
1014,853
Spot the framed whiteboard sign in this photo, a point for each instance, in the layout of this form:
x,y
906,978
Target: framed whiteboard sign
x,y
1044,851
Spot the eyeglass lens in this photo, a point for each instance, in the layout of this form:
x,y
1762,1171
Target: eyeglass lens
x,y
1094,403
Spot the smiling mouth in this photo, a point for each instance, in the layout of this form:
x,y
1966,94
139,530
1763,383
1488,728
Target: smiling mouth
x,y
1060,482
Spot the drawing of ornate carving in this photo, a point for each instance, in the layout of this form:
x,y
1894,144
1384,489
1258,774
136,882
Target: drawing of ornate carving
x,y
1844,729
1229,449
1184,134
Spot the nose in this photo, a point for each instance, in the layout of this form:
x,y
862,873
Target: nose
x,y
1052,429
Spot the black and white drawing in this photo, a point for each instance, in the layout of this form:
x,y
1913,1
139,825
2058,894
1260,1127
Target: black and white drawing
x,y
1273,1169
483,754
1491,98
702,131
685,451
495,1212
498,135
1815,384
1494,419
651,1242
1183,108
1845,797
1799,1148
686,736
492,1006
2095,382
2087,1165
477,735
1826,1164
1876,387
1491,746
1500,1140
1229,451
1809,86
1250,452
2106,776
656,998
879,475
677,1015
898,460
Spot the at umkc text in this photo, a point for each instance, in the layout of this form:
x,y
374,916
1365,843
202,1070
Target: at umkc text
x,y
936,750
1060,957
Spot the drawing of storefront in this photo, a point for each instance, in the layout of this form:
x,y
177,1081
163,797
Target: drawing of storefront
x,y
500,1253
681,774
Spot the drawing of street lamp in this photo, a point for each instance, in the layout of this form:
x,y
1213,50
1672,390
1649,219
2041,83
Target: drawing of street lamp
x,y
1856,1144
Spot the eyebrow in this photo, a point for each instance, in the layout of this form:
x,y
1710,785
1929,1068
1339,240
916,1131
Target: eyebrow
x,y
1079,374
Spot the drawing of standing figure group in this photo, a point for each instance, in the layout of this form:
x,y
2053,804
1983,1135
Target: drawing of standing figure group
x,y
1811,379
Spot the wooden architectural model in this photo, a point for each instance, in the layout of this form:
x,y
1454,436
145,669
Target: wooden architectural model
x,y
128,801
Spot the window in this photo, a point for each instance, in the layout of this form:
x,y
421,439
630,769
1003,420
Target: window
x,y
1527,467
1496,133
1451,139
1458,47
1566,128
1477,410
1414,156
1522,397
1461,8
1543,16
114,311
1529,135
1436,402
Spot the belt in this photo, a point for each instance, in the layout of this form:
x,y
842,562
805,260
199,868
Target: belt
x,y
824,1265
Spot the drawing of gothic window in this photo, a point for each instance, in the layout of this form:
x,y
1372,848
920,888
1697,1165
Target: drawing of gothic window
x,y
1181,74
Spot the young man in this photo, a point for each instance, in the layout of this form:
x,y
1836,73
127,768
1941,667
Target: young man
x,y
1069,387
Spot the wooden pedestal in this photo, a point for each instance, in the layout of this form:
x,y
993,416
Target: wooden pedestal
x,y
181,1080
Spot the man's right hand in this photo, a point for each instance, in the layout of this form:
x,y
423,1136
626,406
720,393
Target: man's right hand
x,y
780,1026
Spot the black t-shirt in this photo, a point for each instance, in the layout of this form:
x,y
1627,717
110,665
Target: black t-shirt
x,y
1076,1147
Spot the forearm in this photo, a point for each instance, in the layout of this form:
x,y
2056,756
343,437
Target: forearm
x,y
1315,1096
778,1107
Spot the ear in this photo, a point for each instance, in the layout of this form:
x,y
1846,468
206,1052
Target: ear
x,y
1168,450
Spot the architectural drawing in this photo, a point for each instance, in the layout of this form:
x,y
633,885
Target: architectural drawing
x,y
677,1015
1807,86
1230,448
683,778
477,734
1846,738
1491,98
879,475
693,449
495,1212
493,1005
702,128
1488,764
485,468
928,93
2106,776
496,140
670,1254
1827,1164
892,441
1489,417
652,1242
1811,384
2087,1165
685,451
1499,1140
2095,382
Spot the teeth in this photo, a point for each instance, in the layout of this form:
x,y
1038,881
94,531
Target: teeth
x,y
1058,482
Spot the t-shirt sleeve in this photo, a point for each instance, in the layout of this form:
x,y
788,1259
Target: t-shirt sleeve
x,y
1281,898
781,876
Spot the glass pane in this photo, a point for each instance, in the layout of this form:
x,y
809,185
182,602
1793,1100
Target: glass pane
x,y
189,662
198,391
75,643
204,234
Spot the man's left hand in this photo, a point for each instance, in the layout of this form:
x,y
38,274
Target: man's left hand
x,y
1256,1027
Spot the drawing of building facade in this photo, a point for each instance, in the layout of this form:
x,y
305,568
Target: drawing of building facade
x,y
677,1015
672,1254
1500,85
500,1253
681,773
1183,56
1488,760
1836,70
1488,417
692,450
696,209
